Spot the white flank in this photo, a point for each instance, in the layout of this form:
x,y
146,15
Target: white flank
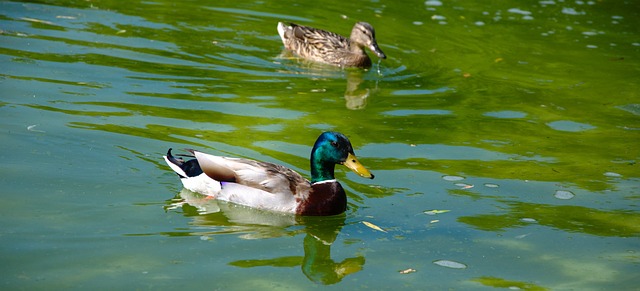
x,y
257,198
202,184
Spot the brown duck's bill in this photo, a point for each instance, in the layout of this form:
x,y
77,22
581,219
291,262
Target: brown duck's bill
x,y
355,166
375,49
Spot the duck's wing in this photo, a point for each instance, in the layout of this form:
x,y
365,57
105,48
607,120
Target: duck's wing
x,y
268,177
322,40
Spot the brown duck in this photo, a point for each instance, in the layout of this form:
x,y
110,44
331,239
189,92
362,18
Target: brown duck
x,y
331,48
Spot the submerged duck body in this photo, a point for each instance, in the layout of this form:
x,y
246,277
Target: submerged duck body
x,y
331,48
270,186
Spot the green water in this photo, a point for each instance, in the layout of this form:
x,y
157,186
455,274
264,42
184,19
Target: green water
x,y
520,120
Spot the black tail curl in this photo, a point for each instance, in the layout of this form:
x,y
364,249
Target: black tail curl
x,y
190,167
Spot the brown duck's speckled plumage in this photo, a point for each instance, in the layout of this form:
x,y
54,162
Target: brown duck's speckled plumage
x,y
331,48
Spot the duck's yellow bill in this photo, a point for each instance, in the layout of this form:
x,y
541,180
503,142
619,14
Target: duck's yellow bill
x,y
355,166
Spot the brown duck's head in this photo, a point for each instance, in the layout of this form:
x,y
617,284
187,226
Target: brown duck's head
x,y
364,35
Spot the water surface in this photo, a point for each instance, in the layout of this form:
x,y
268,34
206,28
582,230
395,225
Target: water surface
x,y
503,136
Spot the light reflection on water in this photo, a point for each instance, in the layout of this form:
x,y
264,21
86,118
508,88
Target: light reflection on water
x,y
520,120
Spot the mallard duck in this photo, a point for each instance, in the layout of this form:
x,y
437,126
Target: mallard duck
x,y
270,186
328,47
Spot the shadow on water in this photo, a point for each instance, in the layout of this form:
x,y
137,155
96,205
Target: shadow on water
x,y
212,217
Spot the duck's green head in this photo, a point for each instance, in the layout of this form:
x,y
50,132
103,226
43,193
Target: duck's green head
x,y
330,149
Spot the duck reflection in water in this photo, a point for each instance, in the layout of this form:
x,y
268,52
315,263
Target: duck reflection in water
x,y
355,96
356,93
320,233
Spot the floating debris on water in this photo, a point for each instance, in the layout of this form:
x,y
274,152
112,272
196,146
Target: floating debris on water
x,y
37,20
407,271
612,174
464,185
435,211
450,264
373,226
491,185
33,128
564,195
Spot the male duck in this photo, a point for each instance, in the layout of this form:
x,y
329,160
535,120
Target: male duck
x,y
328,47
274,187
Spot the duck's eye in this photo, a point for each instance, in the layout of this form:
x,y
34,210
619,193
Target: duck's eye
x,y
334,144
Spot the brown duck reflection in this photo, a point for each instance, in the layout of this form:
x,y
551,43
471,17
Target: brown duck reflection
x,y
320,233
356,94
